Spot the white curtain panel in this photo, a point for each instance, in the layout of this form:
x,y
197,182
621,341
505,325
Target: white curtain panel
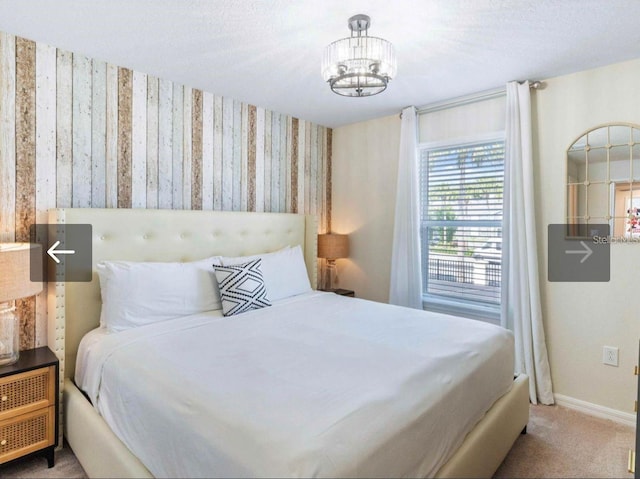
x,y
406,273
521,309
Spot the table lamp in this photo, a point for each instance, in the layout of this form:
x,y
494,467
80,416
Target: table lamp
x,y
15,283
332,247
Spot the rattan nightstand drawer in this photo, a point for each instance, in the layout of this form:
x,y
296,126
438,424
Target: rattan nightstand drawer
x,y
27,433
26,392
29,405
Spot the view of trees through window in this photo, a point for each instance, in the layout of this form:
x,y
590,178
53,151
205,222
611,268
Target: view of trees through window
x,y
461,221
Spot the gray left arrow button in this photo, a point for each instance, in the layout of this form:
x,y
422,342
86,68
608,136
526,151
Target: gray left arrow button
x,y
53,252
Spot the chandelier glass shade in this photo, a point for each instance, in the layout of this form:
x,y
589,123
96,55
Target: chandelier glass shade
x,y
359,65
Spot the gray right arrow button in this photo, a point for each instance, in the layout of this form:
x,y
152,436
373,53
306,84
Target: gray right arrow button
x,y
586,252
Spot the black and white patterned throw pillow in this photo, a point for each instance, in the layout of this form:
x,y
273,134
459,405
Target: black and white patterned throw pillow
x,y
242,287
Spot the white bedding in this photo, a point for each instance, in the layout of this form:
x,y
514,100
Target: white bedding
x,y
316,385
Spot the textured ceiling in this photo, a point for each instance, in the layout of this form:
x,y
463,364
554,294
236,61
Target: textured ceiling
x,y
268,52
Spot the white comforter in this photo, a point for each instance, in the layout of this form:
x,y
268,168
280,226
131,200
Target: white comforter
x,y
317,385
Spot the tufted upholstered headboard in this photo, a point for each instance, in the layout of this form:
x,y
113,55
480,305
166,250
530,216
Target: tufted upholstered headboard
x,y
162,235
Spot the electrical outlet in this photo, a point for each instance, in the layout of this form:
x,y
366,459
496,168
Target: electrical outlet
x,y
610,355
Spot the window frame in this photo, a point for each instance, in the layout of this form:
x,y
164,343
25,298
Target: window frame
x,y
460,307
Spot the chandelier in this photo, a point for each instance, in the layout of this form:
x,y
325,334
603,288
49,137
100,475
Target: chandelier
x,y
359,65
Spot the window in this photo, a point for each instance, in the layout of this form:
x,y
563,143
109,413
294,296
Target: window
x,y
461,189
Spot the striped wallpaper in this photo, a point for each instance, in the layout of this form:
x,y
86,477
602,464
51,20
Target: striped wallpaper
x,y
78,132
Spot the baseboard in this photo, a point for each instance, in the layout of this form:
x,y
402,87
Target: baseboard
x,y
626,418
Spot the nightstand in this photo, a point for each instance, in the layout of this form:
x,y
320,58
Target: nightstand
x,y
341,292
29,406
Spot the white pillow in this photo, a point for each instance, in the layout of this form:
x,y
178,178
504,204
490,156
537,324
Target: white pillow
x,y
284,271
137,293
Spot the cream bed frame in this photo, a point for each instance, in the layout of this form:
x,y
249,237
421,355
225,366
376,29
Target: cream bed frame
x,y
183,235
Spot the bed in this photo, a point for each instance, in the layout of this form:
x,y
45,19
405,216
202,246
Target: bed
x,y
161,235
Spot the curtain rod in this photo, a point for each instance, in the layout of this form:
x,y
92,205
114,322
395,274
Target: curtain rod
x,y
473,98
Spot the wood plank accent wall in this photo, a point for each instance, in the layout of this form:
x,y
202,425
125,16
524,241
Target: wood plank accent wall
x,y
79,132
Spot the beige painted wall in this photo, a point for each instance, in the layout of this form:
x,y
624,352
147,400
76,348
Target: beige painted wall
x,y
365,169
579,318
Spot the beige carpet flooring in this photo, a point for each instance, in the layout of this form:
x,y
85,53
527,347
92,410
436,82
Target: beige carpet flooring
x,y
559,443
563,443
66,466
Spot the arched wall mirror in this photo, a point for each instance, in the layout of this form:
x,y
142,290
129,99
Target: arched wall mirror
x,y
603,180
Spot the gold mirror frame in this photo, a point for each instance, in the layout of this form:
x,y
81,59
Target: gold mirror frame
x,y
603,180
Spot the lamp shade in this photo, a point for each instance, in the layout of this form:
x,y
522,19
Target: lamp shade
x,y
15,264
333,246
